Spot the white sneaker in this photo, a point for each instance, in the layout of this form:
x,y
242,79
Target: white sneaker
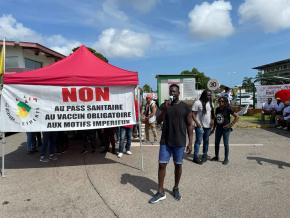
x,y
285,128
52,157
43,159
120,155
128,152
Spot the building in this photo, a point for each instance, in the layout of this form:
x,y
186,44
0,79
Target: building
x,y
23,56
276,69
186,86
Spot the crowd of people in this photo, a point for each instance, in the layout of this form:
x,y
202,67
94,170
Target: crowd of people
x,y
278,112
179,122
51,144
178,126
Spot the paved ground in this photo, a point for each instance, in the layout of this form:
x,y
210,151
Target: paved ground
x,y
256,183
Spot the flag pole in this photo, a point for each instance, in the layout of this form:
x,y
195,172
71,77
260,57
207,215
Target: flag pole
x,y
3,141
139,124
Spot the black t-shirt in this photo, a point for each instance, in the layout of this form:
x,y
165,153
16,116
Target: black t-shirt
x,y
223,116
175,125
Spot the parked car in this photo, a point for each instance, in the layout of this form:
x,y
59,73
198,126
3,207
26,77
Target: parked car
x,y
246,99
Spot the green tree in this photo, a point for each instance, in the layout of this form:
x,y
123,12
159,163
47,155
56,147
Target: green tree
x,y
248,84
147,88
201,78
97,54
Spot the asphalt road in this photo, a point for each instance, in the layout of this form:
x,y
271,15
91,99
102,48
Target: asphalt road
x,y
256,183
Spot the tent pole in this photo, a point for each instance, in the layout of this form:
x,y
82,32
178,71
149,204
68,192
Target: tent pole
x,y
3,141
140,134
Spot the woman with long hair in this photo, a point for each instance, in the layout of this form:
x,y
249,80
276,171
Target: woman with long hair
x,y
202,114
223,127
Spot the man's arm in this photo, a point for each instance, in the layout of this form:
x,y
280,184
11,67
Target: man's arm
x,y
163,108
236,118
153,111
194,113
189,132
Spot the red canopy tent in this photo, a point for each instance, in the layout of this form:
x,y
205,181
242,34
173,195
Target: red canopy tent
x,y
82,68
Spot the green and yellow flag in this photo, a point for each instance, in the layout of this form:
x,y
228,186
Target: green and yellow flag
x,y
2,59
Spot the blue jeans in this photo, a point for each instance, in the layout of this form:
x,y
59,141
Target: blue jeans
x,y
225,133
49,142
125,133
201,134
165,152
31,141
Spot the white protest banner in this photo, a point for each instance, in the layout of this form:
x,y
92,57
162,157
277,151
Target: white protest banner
x,y
264,92
30,108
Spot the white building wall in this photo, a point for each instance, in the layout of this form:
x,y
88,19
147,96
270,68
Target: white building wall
x,y
21,54
41,57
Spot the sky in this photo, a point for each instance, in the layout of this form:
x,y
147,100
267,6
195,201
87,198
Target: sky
x,y
223,39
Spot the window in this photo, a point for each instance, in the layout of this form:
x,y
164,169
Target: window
x,y
11,62
31,64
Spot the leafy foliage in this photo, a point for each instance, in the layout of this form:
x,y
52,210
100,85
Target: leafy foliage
x,y
97,54
201,78
147,88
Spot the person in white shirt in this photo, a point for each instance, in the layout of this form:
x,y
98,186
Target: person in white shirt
x,y
278,110
150,118
267,109
202,115
228,94
284,120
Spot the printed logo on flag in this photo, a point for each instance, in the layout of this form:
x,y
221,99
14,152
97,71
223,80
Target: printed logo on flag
x,y
24,114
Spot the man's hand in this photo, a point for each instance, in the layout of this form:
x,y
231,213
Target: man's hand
x,y
227,126
212,131
188,148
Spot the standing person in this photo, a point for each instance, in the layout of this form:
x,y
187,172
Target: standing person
x,y
278,110
109,138
49,142
126,132
177,120
223,127
202,115
89,137
33,141
267,109
228,94
150,118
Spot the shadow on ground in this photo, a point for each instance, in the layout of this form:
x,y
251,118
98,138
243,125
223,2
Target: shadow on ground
x,y
19,159
281,132
260,160
144,184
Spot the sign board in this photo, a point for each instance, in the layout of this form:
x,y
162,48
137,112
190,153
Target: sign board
x,y
29,108
265,92
213,84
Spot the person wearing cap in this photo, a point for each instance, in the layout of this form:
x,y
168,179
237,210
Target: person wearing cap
x,y
150,118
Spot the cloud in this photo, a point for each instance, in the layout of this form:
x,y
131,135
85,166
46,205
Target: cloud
x,y
122,43
11,29
110,8
272,16
141,5
208,21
